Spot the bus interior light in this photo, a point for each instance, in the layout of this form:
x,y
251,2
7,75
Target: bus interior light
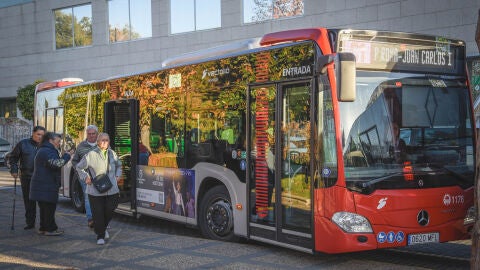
x,y
352,223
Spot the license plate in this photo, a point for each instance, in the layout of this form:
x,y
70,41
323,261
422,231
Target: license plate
x,y
423,238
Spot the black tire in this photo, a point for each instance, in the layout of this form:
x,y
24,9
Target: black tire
x,y
76,192
216,215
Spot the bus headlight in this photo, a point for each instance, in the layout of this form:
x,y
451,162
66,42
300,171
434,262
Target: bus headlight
x,y
470,216
352,223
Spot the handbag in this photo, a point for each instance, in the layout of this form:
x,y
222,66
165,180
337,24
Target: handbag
x,y
102,182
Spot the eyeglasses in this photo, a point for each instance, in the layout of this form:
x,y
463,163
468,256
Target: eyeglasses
x,y
105,140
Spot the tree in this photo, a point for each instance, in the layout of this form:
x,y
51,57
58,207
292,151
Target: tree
x,y
83,31
274,9
65,37
63,30
122,34
25,99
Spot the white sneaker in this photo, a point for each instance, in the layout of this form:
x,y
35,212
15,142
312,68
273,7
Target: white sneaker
x,y
107,236
100,242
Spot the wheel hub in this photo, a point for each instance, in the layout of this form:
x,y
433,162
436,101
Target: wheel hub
x,y
219,218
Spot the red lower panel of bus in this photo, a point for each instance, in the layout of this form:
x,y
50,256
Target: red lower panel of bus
x,y
330,238
398,218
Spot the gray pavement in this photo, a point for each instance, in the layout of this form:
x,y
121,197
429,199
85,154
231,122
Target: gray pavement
x,y
149,243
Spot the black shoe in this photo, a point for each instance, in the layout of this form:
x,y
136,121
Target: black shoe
x,y
28,227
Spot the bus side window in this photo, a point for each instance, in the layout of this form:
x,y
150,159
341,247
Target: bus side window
x,y
194,136
228,135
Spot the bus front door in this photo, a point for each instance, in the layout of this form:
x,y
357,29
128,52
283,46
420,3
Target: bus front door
x,y
280,185
121,124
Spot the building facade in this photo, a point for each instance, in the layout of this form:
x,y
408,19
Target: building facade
x,y
97,39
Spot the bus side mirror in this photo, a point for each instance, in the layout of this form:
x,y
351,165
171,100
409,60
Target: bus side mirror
x,y
345,73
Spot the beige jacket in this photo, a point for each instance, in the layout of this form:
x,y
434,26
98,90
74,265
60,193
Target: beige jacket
x,y
94,163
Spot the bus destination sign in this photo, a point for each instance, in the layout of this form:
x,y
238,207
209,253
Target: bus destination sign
x,y
397,56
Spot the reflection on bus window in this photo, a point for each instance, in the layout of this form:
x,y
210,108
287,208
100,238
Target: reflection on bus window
x,y
162,142
410,122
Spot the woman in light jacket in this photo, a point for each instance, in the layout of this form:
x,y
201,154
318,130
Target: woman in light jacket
x,y
96,163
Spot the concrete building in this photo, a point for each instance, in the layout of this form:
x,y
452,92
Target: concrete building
x,y
128,36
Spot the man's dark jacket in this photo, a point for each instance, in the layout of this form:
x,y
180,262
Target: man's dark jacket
x,y
46,176
23,153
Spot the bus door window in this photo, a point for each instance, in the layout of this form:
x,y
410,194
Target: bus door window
x,y
262,152
118,125
295,158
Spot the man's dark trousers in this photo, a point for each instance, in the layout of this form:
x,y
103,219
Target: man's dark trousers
x,y
30,206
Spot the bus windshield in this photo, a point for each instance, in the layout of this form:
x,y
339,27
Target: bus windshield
x,y
407,131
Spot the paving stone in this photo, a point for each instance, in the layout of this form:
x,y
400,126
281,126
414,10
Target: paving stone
x,y
177,242
118,254
288,258
244,266
27,239
177,261
227,250
71,263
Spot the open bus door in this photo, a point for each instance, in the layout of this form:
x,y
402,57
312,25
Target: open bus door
x,y
280,186
121,123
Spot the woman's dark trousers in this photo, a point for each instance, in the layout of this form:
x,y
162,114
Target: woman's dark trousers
x,y
47,216
102,212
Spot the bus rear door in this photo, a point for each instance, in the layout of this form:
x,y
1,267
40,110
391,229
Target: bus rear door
x,y
280,186
121,123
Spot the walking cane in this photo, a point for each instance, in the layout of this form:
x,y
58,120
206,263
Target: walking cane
x,y
14,196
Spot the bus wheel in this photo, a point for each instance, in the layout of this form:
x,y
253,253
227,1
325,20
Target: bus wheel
x,y
216,215
78,199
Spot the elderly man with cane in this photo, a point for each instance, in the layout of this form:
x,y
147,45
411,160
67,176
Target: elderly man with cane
x,y
21,159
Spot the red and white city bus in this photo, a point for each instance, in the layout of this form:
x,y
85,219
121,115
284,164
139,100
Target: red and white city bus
x,y
319,140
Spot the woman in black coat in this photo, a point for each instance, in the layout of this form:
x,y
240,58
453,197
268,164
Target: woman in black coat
x,y
46,181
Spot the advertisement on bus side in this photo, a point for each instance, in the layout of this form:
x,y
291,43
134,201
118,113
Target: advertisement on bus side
x,y
168,190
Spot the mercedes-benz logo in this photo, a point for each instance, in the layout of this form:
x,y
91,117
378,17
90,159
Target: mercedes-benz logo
x,y
420,183
423,218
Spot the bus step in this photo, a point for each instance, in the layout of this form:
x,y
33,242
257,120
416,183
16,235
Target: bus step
x,y
125,209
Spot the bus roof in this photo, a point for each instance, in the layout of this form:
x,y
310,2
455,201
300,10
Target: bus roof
x,y
57,83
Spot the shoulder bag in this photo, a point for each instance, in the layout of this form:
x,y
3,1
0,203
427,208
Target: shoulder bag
x,y
102,182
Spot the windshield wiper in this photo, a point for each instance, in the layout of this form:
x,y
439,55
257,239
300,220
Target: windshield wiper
x,y
451,171
366,187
